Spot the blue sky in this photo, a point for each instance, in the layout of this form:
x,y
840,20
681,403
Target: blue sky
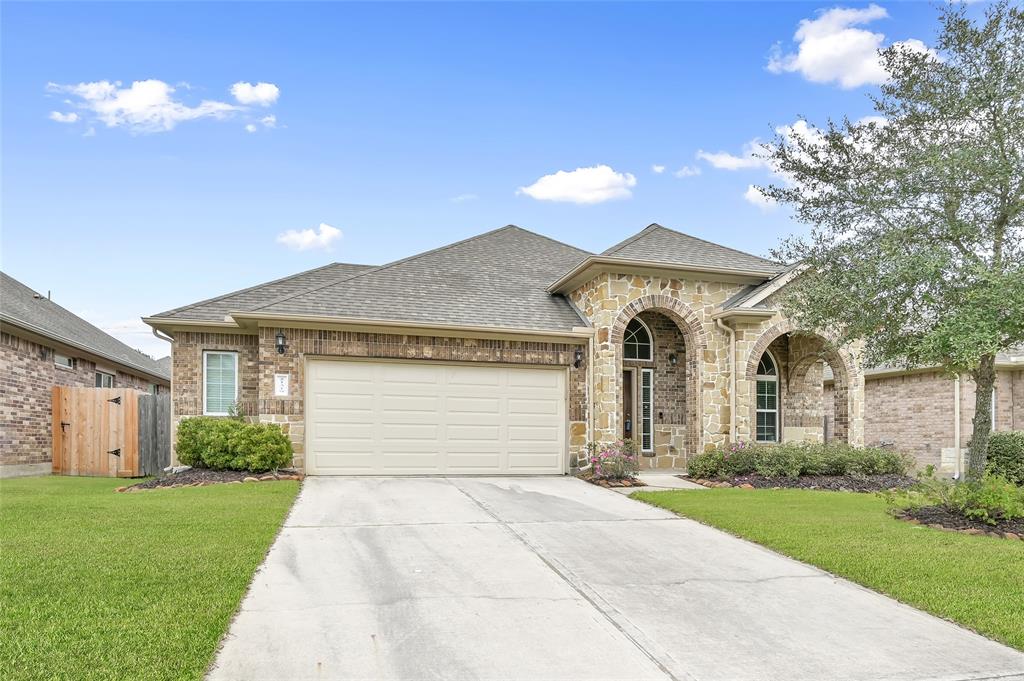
x,y
402,126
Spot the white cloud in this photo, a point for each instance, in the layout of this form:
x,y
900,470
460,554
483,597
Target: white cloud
x,y
91,132
251,127
764,203
831,49
657,169
688,171
261,94
306,239
145,106
63,117
725,161
463,198
583,185
269,121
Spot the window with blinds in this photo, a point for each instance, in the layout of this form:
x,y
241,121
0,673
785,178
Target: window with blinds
x,y
647,410
220,382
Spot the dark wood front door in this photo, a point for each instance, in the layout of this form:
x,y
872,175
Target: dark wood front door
x,y
628,422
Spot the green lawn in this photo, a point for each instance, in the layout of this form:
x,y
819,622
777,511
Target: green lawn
x,y
100,585
977,581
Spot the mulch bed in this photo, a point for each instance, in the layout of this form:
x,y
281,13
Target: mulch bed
x,y
834,483
603,482
939,518
198,477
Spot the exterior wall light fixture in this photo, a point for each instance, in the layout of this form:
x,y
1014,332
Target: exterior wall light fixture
x,y
279,342
577,358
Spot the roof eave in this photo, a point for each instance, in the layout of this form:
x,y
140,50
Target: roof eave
x,y
747,314
579,274
257,319
60,340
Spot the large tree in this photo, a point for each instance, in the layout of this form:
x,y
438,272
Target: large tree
x,y
916,215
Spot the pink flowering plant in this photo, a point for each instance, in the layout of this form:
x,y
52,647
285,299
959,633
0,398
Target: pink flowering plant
x,y
613,461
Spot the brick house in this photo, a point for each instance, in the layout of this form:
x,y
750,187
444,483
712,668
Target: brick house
x,y
507,352
929,413
43,345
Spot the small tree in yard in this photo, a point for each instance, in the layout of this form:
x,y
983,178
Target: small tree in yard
x,y
917,213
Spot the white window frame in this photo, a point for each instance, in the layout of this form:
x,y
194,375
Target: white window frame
x,y
108,374
992,410
646,404
771,379
234,355
57,363
650,342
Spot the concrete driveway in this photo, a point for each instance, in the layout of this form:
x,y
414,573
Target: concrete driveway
x,y
552,578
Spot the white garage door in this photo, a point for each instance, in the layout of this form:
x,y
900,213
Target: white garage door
x,y
390,418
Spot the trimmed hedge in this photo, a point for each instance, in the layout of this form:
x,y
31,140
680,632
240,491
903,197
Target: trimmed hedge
x,y
1006,455
793,460
229,444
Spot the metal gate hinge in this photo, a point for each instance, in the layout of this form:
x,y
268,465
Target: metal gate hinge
x,y
115,452
115,400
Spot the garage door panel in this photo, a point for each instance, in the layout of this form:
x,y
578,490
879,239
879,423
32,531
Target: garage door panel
x,y
472,405
422,418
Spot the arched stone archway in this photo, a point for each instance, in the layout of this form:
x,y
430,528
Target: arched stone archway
x,y
800,378
694,338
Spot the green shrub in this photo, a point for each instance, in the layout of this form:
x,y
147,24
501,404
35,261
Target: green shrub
x,y
1006,455
228,444
260,447
780,462
991,499
707,465
790,460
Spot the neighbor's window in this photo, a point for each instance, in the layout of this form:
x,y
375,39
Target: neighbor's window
x,y
993,409
220,382
63,361
104,380
636,343
767,400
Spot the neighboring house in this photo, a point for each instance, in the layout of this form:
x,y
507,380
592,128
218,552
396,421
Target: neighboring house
x,y
43,345
507,352
930,414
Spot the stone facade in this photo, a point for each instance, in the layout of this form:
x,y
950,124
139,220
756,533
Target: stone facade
x,y
259,361
611,300
27,377
915,412
692,405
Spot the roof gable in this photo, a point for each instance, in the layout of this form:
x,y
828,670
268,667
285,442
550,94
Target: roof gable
x,y
662,245
21,306
497,279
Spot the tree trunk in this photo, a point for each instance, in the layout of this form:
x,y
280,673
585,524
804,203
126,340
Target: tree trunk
x,y
984,380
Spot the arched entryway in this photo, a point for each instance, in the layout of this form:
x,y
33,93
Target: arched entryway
x,y
658,342
785,374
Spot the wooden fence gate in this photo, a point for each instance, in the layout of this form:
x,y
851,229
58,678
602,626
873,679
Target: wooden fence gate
x,y
112,432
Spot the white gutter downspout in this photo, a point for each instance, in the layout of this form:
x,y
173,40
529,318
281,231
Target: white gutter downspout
x,y
732,377
956,428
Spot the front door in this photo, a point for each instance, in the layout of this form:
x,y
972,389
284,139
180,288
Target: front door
x,y
628,422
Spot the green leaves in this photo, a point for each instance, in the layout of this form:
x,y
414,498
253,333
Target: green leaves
x,y
917,215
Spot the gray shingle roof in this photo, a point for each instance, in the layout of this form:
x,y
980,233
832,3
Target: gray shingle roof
x,y
215,309
21,306
740,298
497,279
660,244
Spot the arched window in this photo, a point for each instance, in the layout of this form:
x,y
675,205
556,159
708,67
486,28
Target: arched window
x,y
636,342
767,399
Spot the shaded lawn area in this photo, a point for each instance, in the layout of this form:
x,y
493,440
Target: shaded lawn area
x,y
976,581
100,585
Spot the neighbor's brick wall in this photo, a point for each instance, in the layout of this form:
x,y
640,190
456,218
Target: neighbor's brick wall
x,y
915,412
259,361
27,377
